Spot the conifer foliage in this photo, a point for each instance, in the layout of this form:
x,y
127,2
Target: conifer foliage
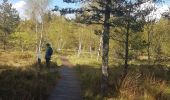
x,y
125,14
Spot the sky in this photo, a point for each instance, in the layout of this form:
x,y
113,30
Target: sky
x,y
20,6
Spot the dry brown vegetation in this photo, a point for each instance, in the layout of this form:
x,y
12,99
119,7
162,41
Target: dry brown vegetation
x,y
143,82
22,79
152,83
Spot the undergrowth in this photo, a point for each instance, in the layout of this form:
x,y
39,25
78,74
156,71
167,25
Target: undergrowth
x,y
143,82
28,81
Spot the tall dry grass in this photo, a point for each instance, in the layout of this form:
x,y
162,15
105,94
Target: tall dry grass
x,y
22,79
141,83
137,87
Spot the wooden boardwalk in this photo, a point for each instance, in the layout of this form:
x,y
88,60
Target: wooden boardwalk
x,y
68,87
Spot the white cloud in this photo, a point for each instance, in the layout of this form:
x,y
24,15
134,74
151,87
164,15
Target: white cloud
x,y
70,16
20,7
148,4
157,14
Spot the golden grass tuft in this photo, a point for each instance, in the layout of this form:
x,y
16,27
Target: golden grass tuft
x,y
22,79
137,85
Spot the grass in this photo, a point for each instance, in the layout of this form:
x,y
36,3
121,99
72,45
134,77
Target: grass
x,y
84,59
22,79
143,82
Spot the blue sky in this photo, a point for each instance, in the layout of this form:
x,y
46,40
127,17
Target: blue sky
x,y
60,3
167,1
53,3
20,5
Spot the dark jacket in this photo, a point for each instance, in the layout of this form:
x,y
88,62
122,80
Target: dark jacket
x,y
49,52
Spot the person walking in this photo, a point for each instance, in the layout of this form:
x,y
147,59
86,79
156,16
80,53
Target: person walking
x,y
48,54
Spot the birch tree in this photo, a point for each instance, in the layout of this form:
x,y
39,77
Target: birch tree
x,y
37,10
98,12
104,12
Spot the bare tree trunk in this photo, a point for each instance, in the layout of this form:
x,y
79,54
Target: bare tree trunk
x,y
90,49
42,29
79,49
126,49
91,42
149,33
40,42
99,48
36,31
5,41
105,48
22,47
148,49
37,44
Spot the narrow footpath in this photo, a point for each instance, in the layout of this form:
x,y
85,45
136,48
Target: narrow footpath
x,y
68,87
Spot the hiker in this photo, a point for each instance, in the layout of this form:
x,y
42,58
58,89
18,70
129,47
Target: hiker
x,y
49,52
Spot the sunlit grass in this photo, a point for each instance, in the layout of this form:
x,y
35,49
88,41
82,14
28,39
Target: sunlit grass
x,y
23,79
143,82
85,60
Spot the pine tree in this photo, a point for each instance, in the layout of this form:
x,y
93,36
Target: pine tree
x,y
9,19
104,13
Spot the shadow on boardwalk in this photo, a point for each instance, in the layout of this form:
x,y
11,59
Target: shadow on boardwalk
x,y
68,87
